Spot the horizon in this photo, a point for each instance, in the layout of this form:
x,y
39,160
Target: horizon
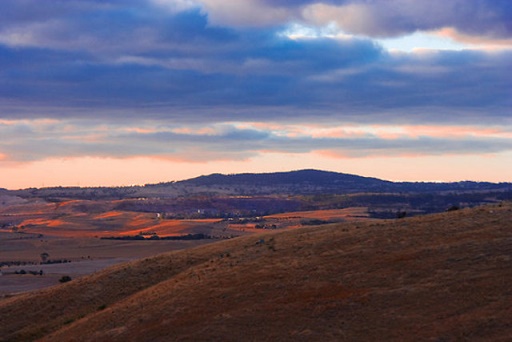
x,y
124,93
242,173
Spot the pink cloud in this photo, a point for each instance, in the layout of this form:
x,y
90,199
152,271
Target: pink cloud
x,y
482,42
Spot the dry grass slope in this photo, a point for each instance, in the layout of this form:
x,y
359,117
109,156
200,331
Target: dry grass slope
x,y
443,277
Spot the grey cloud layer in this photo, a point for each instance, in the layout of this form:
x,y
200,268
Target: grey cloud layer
x,y
486,18
395,17
133,61
26,142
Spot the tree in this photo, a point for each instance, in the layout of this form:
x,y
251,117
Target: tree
x,y
44,257
401,214
65,279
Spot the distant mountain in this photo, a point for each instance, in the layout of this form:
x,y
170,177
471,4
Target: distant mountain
x,y
301,182
308,178
317,181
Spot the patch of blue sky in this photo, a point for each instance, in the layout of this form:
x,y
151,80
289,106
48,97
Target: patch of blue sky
x,y
407,43
299,31
421,40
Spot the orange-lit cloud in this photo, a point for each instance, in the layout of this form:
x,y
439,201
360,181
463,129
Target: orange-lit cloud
x,y
27,141
481,42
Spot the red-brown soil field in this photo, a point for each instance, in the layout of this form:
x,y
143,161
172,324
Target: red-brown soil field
x,y
70,230
442,277
80,218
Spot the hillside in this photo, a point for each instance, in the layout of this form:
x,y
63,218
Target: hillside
x,y
312,178
441,277
300,182
321,182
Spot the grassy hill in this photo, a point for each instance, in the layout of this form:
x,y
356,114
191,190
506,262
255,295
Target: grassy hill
x,y
441,277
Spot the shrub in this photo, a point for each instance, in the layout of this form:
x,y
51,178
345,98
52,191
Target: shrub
x,y
401,214
65,279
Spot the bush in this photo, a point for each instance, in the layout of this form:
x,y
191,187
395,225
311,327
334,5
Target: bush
x,y
313,222
401,214
65,279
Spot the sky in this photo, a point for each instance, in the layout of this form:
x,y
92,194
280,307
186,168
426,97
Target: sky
x,y
127,92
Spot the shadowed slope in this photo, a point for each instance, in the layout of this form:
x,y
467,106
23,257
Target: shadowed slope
x,y
439,277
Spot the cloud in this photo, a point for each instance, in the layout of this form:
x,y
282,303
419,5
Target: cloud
x,y
223,75
28,141
491,19
169,78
